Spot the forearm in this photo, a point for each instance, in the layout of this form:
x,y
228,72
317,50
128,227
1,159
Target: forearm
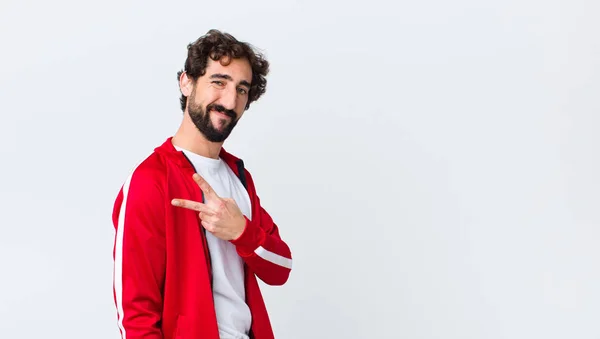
x,y
265,253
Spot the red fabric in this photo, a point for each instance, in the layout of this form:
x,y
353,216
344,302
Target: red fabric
x,y
165,277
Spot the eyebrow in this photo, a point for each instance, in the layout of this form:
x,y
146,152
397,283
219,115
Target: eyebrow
x,y
228,77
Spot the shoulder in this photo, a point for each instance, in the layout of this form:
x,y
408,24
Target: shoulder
x,y
148,176
142,189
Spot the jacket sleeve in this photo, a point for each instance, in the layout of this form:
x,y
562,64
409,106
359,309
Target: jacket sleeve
x,y
139,256
262,248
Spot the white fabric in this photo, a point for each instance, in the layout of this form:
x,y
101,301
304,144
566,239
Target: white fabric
x,y
273,257
118,267
233,314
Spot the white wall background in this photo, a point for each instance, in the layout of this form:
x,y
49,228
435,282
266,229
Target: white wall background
x,y
432,164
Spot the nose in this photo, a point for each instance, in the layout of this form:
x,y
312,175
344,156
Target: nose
x,y
229,99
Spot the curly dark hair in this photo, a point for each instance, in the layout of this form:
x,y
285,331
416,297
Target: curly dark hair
x,y
216,44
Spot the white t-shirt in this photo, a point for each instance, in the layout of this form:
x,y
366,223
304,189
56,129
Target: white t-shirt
x,y
233,314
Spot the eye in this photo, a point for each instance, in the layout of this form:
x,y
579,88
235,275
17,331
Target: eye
x,y
242,91
218,83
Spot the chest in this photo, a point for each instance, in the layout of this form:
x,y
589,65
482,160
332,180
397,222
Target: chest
x,y
227,185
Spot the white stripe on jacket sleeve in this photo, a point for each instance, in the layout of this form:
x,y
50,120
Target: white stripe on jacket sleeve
x,y
273,257
118,274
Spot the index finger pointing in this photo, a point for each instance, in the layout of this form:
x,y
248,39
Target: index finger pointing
x,y
192,205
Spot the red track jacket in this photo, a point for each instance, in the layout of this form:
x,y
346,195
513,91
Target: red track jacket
x,y
162,270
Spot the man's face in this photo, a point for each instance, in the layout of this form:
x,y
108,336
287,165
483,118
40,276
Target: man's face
x,y
219,97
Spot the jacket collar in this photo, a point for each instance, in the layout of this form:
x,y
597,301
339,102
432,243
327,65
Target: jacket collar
x,y
170,152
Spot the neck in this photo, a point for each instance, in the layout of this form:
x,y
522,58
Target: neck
x,y
188,137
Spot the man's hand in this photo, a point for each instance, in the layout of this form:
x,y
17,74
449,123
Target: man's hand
x,y
221,217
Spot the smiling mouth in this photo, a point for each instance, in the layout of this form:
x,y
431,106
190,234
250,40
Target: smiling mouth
x,y
222,114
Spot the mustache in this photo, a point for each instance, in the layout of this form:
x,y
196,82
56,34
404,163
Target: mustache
x,y
216,107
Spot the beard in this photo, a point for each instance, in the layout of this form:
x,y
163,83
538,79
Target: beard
x,y
201,118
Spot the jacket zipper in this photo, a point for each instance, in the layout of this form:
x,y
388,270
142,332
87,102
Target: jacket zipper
x,y
203,234
242,176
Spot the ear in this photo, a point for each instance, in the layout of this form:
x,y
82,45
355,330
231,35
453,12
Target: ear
x,y
185,84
